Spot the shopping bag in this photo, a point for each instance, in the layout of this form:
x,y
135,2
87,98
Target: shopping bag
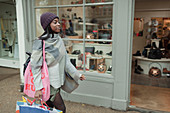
x,y
24,101
29,88
28,106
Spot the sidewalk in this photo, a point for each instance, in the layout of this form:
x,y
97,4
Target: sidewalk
x,y
9,91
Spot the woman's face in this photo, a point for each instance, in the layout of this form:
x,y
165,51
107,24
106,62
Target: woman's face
x,y
55,25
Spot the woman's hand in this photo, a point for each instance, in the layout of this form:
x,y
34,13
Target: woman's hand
x,y
38,94
82,77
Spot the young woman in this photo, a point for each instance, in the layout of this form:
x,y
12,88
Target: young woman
x,y
57,60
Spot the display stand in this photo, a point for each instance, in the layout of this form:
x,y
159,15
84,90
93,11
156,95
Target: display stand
x,y
146,63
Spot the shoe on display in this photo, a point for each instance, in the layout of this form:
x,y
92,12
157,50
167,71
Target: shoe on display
x,y
99,52
154,45
92,67
139,68
137,53
148,46
110,53
144,53
76,52
110,68
165,71
80,19
137,71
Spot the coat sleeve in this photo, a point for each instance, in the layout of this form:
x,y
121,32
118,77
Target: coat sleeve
x,y
71,69
36,63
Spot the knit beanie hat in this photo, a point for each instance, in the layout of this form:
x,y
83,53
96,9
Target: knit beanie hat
x,y
46,19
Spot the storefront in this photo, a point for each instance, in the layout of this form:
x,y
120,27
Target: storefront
x,y
150,70
98,41
9,56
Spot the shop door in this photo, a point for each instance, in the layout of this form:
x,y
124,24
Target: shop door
x,y
150,82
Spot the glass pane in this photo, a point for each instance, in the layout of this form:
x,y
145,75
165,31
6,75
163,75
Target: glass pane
x,y
98,1
8,33
45,2
99,23
98,57
68,2
38,13
70,18
75,52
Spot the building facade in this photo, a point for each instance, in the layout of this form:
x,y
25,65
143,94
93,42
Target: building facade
x,y
98,39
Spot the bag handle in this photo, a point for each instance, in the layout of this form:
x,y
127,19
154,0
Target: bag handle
x,y
43,50
42,104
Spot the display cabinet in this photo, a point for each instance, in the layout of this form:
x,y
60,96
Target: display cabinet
x,y
9,51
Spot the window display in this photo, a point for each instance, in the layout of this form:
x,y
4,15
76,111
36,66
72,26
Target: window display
x,y
87,36
8,34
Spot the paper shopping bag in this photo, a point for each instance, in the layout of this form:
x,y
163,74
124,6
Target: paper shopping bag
x,y
28,106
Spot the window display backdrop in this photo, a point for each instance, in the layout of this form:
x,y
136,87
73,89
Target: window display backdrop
x,y
87,33
8,32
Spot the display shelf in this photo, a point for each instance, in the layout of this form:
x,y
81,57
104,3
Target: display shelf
x,y
9,62
153,60
92,56
147,63
94,44
90,24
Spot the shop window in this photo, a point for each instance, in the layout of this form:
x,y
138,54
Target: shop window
x,y
98,46
8,32
45,2
71,19
87,36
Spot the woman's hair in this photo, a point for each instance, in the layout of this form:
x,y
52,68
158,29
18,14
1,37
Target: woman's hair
x,y
47,32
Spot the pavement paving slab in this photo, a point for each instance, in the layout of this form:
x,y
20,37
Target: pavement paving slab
x,y
10,94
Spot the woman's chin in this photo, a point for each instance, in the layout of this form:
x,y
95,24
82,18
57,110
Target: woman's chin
x,y
57,31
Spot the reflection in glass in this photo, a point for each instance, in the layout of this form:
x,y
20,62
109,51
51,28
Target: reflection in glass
x,y
70,18
99,22
45,2
38,13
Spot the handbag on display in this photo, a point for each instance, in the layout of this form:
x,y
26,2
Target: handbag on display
x,y
155,54
69,84
29,88
90,49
